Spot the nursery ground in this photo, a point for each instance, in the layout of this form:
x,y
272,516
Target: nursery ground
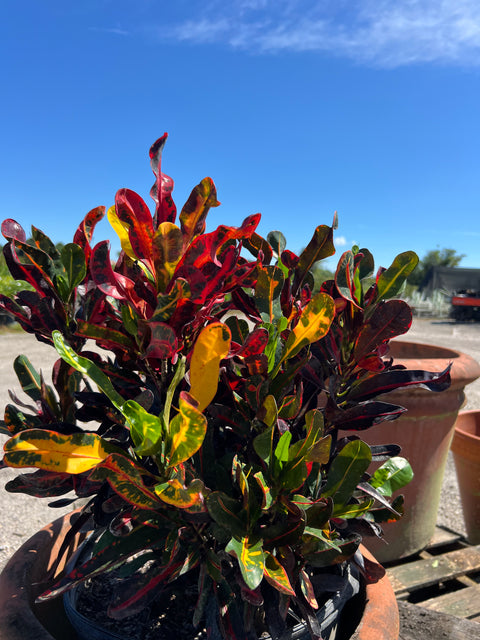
x,y
21,516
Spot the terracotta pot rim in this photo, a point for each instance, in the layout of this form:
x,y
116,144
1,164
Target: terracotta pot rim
x,y
465,369
466,434
380,615
459,432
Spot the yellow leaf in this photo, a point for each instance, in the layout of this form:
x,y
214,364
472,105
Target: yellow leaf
x,y
312,325
52,451
122,230
211,346
167,245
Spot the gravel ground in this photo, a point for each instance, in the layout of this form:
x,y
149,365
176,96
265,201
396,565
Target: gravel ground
x,y
22,515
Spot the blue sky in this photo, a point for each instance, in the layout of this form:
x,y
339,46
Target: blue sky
x,y
295,108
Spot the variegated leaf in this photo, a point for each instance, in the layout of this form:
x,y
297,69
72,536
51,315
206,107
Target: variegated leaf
x,y
175,493
276,575
125,478
167,251
194,212
312,325
251,559
186,431
52,451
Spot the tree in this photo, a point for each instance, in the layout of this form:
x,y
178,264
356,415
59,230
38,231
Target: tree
x,y
435,258
320,274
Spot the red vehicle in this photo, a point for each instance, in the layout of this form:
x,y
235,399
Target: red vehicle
x,y
461,285
466,305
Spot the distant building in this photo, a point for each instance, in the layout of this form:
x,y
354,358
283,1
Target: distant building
x,y
450,280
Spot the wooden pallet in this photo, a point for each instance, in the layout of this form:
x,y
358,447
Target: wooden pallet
x,y
443,578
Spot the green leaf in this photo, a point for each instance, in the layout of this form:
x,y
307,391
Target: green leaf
x,y
269,413
320,452
73,260
273,350
267,499
319,513
280,455
263,445
344,277
291,404
325,554
228,513
320,246
88,368
28,254
394,474
251,559
366,265
238,475
130,320
277,241
186,431
269,286
390,282
15,421
293,475
346,471
28,377
314,426
238,328
354,510
177,378
146,429
43,242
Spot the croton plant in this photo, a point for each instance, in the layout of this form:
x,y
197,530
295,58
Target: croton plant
x,y
213,432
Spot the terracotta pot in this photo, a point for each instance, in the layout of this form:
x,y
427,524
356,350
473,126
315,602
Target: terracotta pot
x,y
425,433
22,619
466,454
20,584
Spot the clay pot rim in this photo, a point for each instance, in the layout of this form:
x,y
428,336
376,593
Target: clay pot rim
x,y
462,432
380,613
465,369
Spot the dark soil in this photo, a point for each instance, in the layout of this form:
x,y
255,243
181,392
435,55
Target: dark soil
x,y
167,618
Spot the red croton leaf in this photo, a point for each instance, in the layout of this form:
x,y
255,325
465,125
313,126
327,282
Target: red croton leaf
x,y
132,211
84,234
161,191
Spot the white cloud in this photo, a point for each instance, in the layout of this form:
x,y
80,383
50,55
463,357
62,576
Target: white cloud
x,y
115,30
342,241
384,33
